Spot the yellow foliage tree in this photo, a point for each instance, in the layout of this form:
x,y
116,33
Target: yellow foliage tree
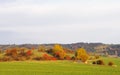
x,y
81,54
57,48
59,51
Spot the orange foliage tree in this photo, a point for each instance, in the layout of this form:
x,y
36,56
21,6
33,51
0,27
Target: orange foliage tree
x,y
11,52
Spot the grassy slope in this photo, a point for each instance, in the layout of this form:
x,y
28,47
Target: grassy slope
x,y
58,68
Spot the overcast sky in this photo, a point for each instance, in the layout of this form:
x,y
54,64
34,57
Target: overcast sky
x,y
59,21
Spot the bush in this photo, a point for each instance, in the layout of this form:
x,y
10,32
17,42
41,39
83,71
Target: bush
x,y
46,57
0,59
17,59
37,58
68,57
53,58
22,58
73,58
110,63
11,52
28,53
28,57
100,62
5,58
93,62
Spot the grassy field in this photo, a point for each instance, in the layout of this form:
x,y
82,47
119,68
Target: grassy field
x,y
58,68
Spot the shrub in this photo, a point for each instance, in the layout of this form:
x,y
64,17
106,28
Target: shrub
x,y
46,57
5,58
22,52
22,58
49,51
68,57
73,58
11,52
37,58
57,54
53,58
28,58
17,59
100,62
93,62
28,53
0,59
0,51
110,63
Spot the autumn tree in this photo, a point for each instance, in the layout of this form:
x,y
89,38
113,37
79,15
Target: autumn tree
x,y
59,51
11,52
81,54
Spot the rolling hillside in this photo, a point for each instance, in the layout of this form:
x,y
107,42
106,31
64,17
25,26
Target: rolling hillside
x,y
100,48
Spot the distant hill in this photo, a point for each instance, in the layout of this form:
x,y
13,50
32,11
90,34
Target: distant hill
x,y
90,47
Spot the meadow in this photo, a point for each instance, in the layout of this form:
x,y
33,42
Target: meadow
x,y
59,68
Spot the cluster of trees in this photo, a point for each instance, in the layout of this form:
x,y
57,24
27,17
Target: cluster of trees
x,y
57,52
99,48
16,54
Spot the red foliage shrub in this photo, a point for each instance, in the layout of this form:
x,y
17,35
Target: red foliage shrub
x,y
53,58
46,57
68,57
29,52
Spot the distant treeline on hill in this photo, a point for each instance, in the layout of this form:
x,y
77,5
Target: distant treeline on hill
x,y
100,48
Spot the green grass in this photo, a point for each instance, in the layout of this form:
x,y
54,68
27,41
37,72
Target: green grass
x,y
58,68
